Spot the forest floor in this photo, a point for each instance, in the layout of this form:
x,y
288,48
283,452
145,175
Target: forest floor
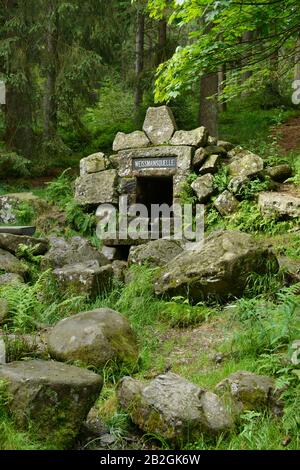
x,y
288,135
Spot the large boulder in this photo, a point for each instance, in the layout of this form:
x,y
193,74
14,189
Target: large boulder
x,y
94,338
250,391
75,250
93,164
51,397
196,138
203,187
137,139
87,278
10,203
173,408
97,188
159,125
10,264
244,163
155,253
226,203
11,243
279,204
219,269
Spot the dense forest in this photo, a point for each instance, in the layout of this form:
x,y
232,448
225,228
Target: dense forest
x,y
75,74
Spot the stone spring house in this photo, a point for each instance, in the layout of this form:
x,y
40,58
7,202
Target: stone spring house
x,y
148,166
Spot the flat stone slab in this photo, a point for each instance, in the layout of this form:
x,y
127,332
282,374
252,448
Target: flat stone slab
x,y
196,137
11,243
54,397
137,139
21,230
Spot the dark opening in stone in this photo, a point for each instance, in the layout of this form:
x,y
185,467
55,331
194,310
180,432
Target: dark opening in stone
x,y
154,190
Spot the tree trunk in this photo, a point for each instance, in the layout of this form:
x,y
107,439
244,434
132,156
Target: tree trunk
x,y
139,60
50,101
221,85
162,42
18,134
208,112
297,60
247,37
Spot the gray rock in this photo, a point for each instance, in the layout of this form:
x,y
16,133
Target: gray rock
x,y
119,269
55,398
249,391
3,310
204,187
226,203
11,278
155,253
279,173
220,269
215,150
211,165
244,163
137,139
94,338
199,157
97,188
226,145
11,243
75,250
86,278
212,140
237,184
111,253
196,138
159,125
280,204
10,264
93,164
290,269
173,408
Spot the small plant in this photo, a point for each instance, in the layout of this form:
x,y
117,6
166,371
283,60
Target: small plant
x,y
221,179
187,195
60,191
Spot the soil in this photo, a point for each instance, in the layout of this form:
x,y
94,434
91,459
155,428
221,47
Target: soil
x,y
288,135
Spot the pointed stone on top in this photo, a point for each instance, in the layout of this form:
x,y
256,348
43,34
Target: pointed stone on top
x,y
159,125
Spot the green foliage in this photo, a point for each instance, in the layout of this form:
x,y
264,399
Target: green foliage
x,y
251,188
60,191
81,221
33,305
267,327
13,165
221,179
187,195
25,213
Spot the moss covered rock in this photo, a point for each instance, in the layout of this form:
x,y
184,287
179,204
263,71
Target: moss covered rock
x,y
172,407
155,253
51,398
219,269
94,338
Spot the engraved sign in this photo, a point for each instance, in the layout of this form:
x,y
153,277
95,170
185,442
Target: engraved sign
x,y
160,162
